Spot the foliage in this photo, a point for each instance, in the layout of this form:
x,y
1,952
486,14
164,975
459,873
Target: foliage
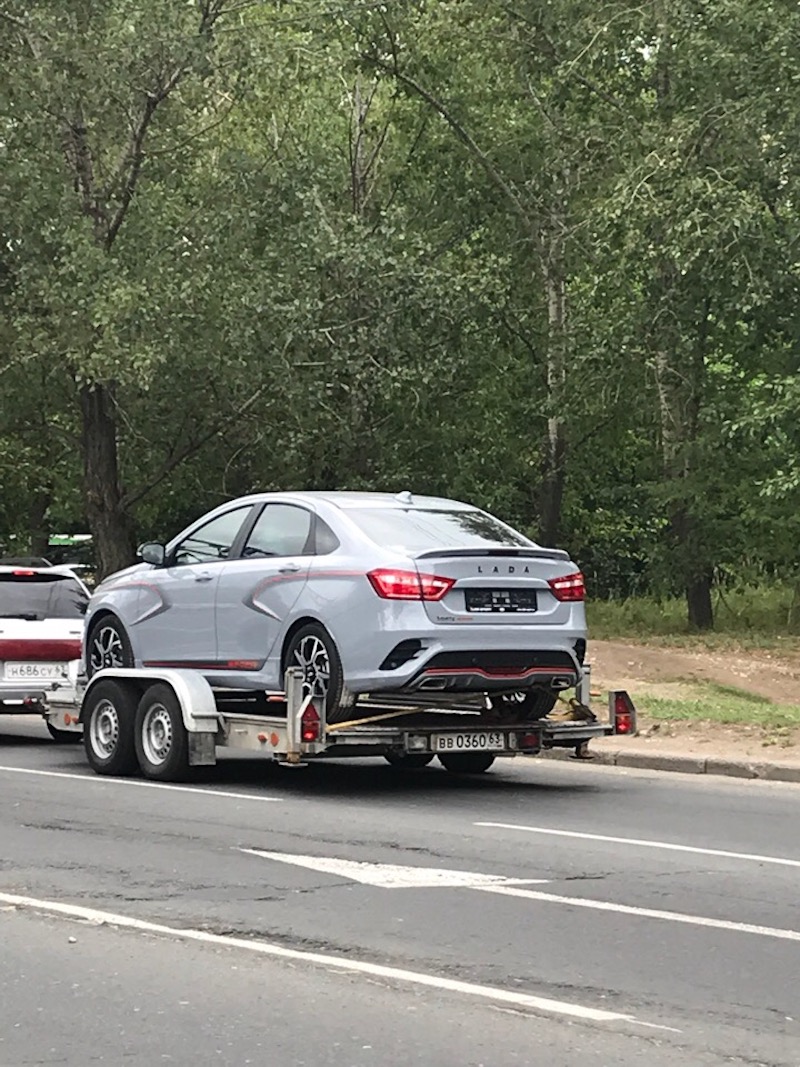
x,y
539,256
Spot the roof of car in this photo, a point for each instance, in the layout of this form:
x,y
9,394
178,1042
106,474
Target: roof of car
x,y
345,499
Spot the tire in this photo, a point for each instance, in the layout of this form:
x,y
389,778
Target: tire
x,y
313,650
107,646
409,761
525,706
108,717
63,737
467,762
159,736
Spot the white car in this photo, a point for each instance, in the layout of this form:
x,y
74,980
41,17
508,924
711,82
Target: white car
x,y
42,613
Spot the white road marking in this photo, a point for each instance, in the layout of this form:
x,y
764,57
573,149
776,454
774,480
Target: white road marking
x,y
390,876
639,843
103,779
644,913
342,963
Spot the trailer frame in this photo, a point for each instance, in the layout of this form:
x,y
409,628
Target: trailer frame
x,y
289,727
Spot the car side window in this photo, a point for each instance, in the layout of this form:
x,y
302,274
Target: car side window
x,y
326,540
281,530
213,540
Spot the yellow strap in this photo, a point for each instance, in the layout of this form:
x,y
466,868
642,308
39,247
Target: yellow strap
x,y
373,718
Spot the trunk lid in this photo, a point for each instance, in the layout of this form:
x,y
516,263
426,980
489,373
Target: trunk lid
x,y
497,586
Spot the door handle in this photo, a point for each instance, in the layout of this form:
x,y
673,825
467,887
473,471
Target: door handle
x,y
289,568
203,577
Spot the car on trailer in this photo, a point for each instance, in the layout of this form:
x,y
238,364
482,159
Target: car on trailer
x,y
369,594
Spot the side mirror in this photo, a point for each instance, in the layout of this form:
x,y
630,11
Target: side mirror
x,y
152,552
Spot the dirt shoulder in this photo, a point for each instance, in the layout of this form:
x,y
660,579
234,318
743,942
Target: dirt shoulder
x,y
659,672
620,665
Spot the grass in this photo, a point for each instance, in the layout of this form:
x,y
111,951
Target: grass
x,y
709,702
753,617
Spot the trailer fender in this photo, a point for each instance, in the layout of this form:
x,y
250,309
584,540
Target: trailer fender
x,y
195,695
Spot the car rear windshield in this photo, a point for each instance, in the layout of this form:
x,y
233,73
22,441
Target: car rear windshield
x,y
41,596
422,529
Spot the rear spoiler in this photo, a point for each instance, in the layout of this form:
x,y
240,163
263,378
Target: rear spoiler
x,y
519,553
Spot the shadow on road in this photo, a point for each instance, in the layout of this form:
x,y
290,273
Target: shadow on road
x,y
363,778
376,778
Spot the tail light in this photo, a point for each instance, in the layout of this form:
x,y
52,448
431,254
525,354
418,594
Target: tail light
x,y
570,587
623,712
310,724
24,574
408,585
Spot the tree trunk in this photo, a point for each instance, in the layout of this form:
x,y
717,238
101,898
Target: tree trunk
x,y
110,524
38,530
698,601
555,446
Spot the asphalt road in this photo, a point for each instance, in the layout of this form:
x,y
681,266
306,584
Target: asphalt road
x,y
569,933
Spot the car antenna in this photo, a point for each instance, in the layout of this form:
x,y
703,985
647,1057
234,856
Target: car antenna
x,y
405,497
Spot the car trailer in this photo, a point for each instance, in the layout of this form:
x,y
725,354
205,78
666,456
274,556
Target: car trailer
x,y
164,722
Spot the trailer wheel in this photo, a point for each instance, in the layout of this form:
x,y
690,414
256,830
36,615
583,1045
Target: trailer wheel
x,y
467,762
63,737
409,761
108,715
160,738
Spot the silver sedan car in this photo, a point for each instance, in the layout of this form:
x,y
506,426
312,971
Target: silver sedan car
x,y
366,592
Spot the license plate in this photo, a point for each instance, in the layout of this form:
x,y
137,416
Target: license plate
x,y
510,601
35,672
472,742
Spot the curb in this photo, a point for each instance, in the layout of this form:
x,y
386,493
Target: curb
x,y
751,769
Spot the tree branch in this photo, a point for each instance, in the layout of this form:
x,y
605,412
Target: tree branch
x,y
466,139
189,449
126,173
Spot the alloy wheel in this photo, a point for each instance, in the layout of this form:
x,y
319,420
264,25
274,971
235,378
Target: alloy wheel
x,y
106,650
311,656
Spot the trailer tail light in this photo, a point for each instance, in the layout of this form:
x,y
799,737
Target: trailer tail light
x,y
391,584
529,742
623,712
310,725
570,587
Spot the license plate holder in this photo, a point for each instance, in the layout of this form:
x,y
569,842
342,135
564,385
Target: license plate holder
x,y
35,672
501,601
472,741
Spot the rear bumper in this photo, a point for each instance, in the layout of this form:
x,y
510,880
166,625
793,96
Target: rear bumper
x,y
16,698
21,698
417,663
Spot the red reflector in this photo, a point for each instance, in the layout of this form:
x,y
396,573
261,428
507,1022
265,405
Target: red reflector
x,y
528,741
309,724
408,585
570,587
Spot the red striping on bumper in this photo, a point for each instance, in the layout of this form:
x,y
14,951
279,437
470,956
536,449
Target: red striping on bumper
x,y
500,672
31,650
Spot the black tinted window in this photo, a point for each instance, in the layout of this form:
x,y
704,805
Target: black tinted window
x,y
41,596
325,539
420,530
281,530
213,540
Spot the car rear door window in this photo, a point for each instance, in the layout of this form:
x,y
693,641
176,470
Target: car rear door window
x,y
212,541
281,530
41,596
